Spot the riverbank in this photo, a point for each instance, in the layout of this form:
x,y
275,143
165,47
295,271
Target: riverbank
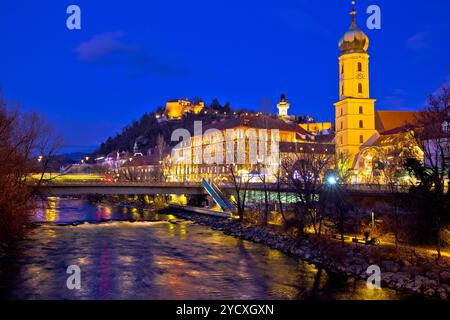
x,y
406,271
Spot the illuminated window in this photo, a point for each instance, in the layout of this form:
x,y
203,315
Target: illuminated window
x,y
360,88
361,124
359,67
361,139
360,110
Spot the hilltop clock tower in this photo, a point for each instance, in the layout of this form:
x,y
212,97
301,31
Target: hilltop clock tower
x,y
355,110
283,106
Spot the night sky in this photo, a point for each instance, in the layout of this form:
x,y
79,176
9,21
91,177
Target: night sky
x,y
131,56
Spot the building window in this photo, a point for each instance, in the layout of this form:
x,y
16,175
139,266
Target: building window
x,y
342,91
341,140
361,124
341,125
342,112
342,69
360,88
359,67
360,110
361,139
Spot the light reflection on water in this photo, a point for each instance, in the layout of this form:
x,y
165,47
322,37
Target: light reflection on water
x,y
158,259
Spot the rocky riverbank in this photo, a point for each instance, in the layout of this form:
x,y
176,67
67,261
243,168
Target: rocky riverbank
x,y
414,274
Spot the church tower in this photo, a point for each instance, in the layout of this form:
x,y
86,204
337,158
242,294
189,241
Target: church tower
x,y
355,111
283,106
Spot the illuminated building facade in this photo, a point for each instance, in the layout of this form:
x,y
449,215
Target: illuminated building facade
x,y
317,127
254,145
177,108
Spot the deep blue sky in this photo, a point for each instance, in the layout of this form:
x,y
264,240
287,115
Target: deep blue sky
x,y
131,56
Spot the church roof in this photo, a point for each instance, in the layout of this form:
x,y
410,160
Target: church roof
x,y
395,121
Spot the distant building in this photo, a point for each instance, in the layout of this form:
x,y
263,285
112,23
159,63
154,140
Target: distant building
x,y
114,160
436,142
317,127
310,126
177,108
143,169
283,106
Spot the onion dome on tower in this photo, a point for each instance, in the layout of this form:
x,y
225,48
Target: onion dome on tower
x,y
354,40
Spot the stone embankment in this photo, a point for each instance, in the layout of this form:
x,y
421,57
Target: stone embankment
x,y
423,277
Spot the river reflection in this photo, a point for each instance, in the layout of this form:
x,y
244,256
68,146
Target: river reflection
x,y
154,258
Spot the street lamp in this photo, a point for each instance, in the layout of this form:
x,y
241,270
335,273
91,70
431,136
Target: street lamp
x,y
373,219
331,180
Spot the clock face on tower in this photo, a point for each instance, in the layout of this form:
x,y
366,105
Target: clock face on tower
x,y
360,75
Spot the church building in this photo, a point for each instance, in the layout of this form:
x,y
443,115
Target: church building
x,y
357,124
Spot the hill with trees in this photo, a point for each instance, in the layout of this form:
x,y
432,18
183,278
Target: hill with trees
x,y
145,131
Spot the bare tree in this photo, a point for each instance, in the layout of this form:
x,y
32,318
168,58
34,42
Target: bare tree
x,y
240,183
306,170
262,175
431,195
343,167
160,146
26,147
280,176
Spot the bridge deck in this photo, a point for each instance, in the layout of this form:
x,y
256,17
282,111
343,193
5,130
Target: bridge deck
x,y
188,189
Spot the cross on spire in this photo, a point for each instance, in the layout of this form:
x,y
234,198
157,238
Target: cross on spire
x,y
353,13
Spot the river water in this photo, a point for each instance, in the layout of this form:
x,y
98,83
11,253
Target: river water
x,y
125,253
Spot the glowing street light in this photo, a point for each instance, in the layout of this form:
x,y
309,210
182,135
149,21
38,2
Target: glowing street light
x,y
331,180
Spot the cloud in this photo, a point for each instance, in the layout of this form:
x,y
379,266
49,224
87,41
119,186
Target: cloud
x,y
418,41
100,46
111,49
